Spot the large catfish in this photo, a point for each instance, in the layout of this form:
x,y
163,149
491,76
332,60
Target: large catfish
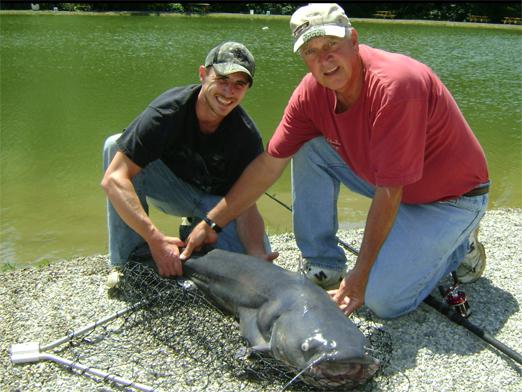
x,y
283,313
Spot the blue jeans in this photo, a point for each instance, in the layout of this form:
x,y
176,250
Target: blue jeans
x,y
158,185
426,241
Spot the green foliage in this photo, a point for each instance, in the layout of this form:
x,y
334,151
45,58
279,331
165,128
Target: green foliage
x,y
9,266
75,7
5,267
457,11
273,8
445,11
176,7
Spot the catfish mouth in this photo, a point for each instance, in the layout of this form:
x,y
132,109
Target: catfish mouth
x,y
331,374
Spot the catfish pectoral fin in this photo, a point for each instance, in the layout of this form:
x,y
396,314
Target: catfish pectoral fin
x,y
248,327
262,348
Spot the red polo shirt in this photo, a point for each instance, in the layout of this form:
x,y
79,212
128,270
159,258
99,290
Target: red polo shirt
x,y
405,129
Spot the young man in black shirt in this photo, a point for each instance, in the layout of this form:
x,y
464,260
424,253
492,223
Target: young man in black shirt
x,y
182,154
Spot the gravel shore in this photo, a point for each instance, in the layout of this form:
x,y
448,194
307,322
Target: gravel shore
x,y
428,352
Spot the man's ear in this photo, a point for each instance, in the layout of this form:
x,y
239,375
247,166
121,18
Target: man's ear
x,y
355,39
202,73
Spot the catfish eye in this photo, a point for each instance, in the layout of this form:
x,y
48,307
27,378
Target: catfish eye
x,y
305,346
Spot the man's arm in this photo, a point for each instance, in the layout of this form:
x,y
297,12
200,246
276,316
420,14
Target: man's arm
x,y
251,230
379,222
117,183
256,179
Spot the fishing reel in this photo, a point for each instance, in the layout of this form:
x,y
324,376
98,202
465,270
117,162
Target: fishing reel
x,y
455,297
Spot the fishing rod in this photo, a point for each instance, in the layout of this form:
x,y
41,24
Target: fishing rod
x,y
341,242
456,317
455,311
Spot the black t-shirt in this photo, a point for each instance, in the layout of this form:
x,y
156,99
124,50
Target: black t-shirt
x,y
168,130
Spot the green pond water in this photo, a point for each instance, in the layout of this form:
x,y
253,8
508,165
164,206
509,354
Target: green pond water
x,y
68,82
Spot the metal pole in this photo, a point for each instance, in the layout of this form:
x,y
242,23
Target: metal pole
x,y
33,352
85,369
91,326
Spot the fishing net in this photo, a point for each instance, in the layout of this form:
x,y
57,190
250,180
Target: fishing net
x,y
174,339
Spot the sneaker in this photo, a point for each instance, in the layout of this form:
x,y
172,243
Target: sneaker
x,y
472,266
113,283
114,278
327,278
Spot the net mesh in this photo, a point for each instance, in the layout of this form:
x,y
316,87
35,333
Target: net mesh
x,y
178,340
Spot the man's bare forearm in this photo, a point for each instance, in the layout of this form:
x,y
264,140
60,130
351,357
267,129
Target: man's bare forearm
x,y
251,230
125,201
379,222
383,210
117,183
256,178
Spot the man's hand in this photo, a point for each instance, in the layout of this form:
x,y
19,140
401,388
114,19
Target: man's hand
x,y
117,183
350,295
381,216
201,235
270,257
165,252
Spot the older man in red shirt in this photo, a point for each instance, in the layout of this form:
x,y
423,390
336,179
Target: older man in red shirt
x,y
385,126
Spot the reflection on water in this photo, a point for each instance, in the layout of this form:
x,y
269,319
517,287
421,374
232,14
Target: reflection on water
x,y
67,82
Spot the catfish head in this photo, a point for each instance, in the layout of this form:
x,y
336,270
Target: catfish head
x,y
324,344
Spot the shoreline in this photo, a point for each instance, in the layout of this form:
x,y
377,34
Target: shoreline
x,y
428,353
500,26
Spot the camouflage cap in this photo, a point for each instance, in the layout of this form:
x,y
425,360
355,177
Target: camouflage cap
x,y
317,20
230,57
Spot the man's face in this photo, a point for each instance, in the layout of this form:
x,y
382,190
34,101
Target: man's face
x,y
331,60
222,93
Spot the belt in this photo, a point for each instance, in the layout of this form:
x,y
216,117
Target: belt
x,y
477,191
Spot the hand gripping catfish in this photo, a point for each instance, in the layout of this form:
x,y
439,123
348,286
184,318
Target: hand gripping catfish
x,y
282,312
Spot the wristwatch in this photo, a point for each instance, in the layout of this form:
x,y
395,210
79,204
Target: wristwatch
x,y
213,225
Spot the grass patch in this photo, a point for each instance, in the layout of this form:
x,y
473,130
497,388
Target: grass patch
x,y
9,266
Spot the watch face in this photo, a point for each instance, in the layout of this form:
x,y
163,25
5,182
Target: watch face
x,y
213,225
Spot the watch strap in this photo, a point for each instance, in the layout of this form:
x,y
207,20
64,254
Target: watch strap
x,y
213,225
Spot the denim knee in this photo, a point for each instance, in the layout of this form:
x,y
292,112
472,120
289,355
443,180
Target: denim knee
x,y
386,306
310,152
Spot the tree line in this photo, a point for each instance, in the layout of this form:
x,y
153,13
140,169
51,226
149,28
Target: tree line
x,y
456,11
